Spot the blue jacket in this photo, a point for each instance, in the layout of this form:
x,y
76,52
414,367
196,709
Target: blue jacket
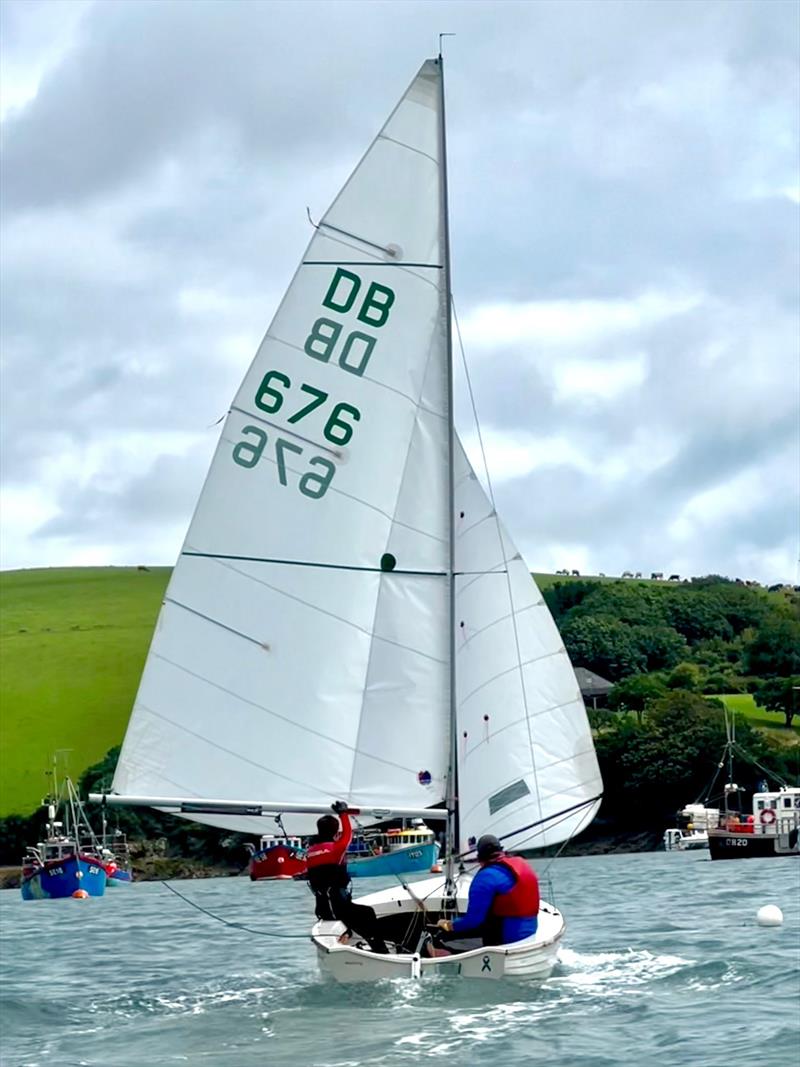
x,y
487,883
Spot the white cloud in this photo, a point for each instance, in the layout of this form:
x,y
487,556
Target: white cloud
x,y
36,37
565,323
602,380
624,191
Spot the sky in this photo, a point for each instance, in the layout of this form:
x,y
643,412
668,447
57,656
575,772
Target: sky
x,y
625,228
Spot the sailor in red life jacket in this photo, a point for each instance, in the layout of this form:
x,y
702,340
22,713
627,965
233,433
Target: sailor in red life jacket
x,y
503,901
328,877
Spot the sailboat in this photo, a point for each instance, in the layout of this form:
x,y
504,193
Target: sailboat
x,y
348,618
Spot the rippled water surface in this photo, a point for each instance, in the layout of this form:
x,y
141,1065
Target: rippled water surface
x,y
663,964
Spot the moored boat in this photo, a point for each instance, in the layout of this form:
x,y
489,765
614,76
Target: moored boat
x,y
277,858
371,855
56,868
696,820
401,851
117,865
772,828
67,862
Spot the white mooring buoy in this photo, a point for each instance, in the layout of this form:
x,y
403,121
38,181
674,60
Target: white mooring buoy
x,y
769,915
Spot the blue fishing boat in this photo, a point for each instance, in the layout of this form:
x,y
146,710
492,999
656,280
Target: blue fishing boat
x,y
70,861
55,869
117,877
393,852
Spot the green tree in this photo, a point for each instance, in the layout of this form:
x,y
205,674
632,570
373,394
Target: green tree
x,y
17,832
661,646
775,649
636,604
635,693
686,676
697,615
780,695
603,645
741,606
561,597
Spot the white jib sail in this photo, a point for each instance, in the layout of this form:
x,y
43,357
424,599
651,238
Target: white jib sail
x,y
525,749
288,664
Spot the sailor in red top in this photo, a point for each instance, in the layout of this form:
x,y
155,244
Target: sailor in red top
x,y
328,878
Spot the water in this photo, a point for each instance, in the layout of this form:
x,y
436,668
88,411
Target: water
x,y
663,964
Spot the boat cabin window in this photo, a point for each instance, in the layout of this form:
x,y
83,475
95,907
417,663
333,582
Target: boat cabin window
x,y
56,852
787,802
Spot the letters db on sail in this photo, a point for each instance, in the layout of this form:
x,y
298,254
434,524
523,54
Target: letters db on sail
x,y
342,393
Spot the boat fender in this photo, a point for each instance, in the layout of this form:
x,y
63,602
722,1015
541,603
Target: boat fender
x,y
767,816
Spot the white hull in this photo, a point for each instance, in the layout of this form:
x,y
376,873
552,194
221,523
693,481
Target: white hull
x,y
679,841
533,958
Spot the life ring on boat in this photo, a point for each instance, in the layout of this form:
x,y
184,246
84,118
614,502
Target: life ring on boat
x,y
767,816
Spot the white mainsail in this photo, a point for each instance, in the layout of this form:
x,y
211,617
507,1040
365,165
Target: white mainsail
x,y
525,749
286,663
302,653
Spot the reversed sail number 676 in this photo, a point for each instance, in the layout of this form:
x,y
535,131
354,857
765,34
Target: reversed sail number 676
x,y
312,483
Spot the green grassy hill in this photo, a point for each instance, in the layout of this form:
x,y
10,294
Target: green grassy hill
x,y
72,647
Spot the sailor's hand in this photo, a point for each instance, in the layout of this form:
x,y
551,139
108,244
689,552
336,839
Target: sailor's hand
x,y
446,925
339,806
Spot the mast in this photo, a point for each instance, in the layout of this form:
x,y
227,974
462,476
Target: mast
x,y
451,846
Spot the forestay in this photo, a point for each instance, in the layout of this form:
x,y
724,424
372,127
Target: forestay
x,y
286,663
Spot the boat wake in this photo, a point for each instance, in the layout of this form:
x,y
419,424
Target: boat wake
x,y
613,973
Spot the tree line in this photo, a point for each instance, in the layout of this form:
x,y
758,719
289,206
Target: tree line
x,y
708,636
667,649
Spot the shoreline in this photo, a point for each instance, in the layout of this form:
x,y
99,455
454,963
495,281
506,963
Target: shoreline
x,y
162,868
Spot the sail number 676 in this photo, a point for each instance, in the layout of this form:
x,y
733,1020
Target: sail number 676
x,y
271,394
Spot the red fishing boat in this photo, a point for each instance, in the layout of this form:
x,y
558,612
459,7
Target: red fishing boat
x,y
278,856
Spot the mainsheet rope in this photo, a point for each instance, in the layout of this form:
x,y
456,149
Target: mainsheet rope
x,y
227,922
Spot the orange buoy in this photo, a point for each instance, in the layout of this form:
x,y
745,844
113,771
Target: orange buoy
x,y
80,894
436,868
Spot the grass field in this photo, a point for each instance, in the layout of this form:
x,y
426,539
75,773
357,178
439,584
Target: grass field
x,y
72,647
744,704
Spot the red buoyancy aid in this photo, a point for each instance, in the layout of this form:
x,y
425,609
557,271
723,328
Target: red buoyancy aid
x,y
522,900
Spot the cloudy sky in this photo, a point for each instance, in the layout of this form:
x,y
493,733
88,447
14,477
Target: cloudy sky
x,y
625,231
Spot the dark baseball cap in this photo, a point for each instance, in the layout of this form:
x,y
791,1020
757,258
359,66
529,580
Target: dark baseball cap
x,y
488,846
